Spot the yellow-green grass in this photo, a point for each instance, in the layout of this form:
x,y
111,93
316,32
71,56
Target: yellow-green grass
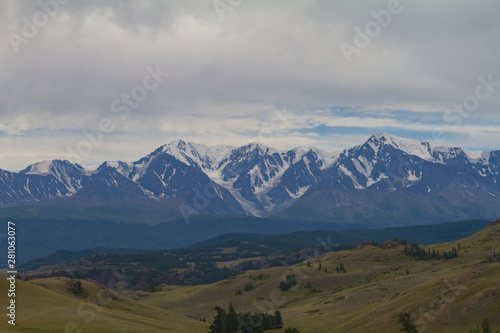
x,y
442,295
46,305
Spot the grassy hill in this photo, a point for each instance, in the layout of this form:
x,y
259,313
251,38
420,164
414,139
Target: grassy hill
x,y
380,282
246,245
49,305
223,256
442,295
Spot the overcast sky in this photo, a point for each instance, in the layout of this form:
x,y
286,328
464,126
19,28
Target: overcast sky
x,y
113,80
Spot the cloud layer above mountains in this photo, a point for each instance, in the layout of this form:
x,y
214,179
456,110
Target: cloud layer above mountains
x,y
240,71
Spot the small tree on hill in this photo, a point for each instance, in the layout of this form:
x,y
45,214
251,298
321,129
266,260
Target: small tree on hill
x,y
278,319
231,321
76,287
407,323
485,326
291,280
292,330
218,326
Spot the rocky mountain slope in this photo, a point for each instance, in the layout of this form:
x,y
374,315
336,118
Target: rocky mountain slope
x,y
385,178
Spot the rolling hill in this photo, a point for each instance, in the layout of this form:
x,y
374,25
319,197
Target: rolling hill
x,y
379,282
48,305
442,295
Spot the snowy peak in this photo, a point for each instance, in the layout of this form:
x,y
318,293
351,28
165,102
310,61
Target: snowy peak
x,y
64,171
477,156
256,179
326,159
425,150
249,154
418,148
388,158
121,167
53,167
50,179
196,154
259,148
41,168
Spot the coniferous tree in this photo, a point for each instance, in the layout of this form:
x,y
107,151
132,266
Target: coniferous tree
x,y
231,320
407,323
268,322
278,319
292,330
485,326
79,287
218,326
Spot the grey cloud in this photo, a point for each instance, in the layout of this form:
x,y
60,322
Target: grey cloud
x,y
279,53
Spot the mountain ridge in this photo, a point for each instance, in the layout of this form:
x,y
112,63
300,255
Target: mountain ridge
x,y
261,181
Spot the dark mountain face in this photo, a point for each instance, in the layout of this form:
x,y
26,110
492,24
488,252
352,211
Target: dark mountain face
x,y
389,180
266,180
166,177
41,183
107,185
385,181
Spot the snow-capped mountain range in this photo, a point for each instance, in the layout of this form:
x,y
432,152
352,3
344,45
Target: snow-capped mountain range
x,y
260,181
